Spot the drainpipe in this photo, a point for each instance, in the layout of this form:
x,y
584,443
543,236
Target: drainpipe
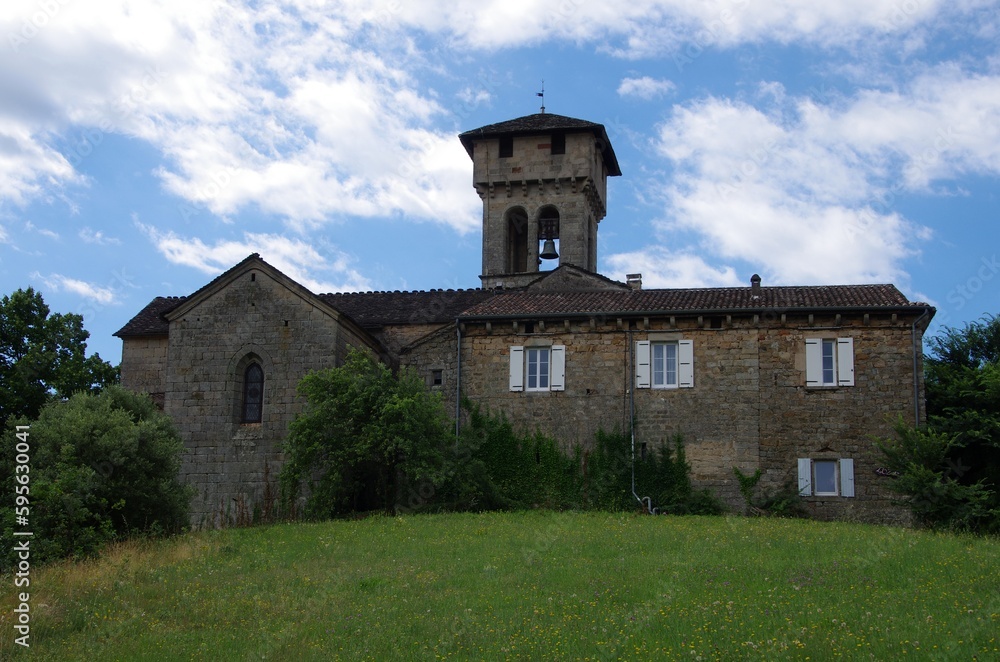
x,y
458,381
916,375
630,380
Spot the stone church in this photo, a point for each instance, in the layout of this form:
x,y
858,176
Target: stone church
x,y
794,381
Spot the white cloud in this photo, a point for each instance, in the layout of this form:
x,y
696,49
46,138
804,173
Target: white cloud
x,y
646,27
810,191
295,258
97,237
282,106
313,112
27,164
661,267
472,97
31,227
645,87
102,295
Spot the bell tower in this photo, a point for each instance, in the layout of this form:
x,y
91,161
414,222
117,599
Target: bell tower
x,y
543,182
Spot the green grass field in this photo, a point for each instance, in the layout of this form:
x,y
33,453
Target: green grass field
x,y
535,586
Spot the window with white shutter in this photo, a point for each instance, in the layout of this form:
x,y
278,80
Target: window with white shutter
x,y
805,477
558,368
664,364
642,372
829,362
538,368
517,368
825,477
845,361
685,363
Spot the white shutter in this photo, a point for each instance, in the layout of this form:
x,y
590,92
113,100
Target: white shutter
x,y
845,361
814,361
805,477
642,364
685,363
557,368
517,368
847,478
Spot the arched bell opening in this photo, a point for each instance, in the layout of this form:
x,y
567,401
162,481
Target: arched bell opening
x,y
517,240
548,236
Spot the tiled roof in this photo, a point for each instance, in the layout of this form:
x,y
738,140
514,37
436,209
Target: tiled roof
x,y
692,300
539,122
368,309
375,309
149,321
544,123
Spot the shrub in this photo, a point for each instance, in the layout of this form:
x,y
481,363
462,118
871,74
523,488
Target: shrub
x,y
930,482
102,467
366,439
369,440
505,469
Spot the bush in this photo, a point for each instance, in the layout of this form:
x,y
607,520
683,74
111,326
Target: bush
x,y
366,439
930,481
508,470
102,467
662,474
369,440
783,502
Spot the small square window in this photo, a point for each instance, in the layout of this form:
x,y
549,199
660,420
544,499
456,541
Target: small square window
x,y
559,143
825,477
506,147
437,377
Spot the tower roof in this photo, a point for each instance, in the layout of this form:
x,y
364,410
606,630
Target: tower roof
x,y
545,123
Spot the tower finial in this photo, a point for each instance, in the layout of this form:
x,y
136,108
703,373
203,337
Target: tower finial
x,y
542,94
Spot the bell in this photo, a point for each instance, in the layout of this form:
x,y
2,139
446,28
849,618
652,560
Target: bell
x,y
548,250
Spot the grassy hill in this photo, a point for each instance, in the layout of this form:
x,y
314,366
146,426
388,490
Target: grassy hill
x,y
536,585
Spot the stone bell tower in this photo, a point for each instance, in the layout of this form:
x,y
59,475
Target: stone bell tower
x,y
543,182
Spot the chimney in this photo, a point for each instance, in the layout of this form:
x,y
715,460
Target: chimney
x,y
634,281
755,287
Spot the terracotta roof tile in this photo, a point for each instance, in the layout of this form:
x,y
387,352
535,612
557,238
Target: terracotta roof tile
x,y
375,309
691,300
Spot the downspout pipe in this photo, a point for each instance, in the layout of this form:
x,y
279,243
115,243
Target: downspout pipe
x,y
458,381
916,374
630,380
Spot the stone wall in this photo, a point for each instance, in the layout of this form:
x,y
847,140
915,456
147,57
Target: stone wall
x,y
749,407
255,317
837,422
575,183
144,365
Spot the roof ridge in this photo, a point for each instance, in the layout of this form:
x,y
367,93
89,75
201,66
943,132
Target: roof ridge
x,y
429,291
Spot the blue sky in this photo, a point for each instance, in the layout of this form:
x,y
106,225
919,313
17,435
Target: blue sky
x,y
145,147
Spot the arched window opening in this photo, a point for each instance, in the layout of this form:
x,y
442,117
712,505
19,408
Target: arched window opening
x,y
548,234
517,241
253,393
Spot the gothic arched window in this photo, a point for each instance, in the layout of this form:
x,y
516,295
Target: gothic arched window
x,y
253,393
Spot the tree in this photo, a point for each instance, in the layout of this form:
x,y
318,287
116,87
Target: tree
x,y
366,439
938,496
950,469
102,467
43,356
963,399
